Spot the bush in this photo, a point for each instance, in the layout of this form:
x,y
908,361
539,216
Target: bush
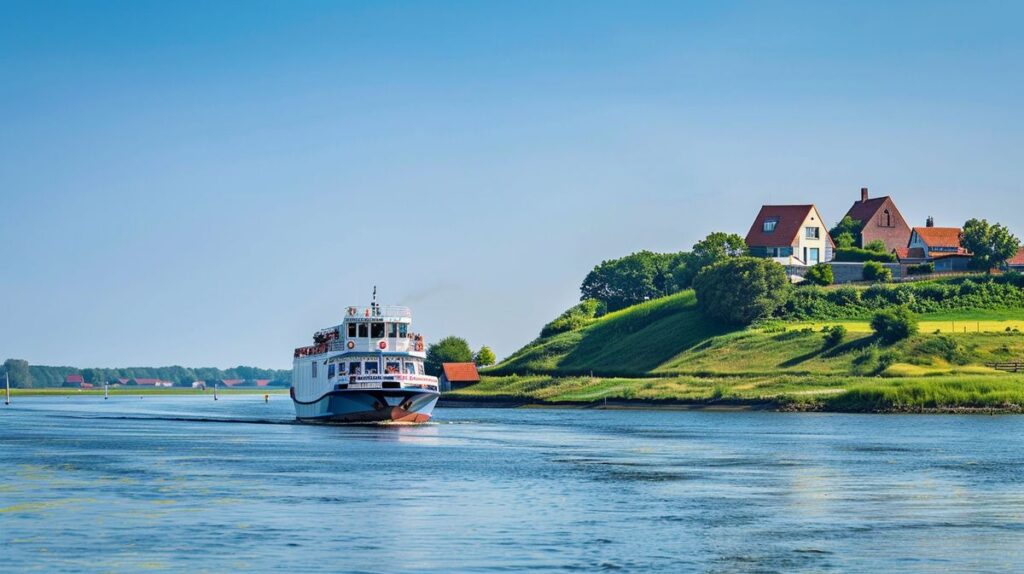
x,y
742,289
875,271
894,325
575,318
834,335
878,246
846,296
921,269
858,255
820,274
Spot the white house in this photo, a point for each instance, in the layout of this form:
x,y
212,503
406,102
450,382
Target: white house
x,y
791,235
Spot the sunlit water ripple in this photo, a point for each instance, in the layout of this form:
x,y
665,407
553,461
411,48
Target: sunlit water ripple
x,y
189,484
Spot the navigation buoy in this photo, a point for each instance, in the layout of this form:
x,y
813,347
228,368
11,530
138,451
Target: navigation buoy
x,y
266,398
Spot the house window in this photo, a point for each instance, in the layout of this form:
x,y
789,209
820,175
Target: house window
x,y
813,256
812,232
886,219
769,225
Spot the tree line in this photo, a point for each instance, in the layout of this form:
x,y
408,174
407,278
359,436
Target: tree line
x,y
23,375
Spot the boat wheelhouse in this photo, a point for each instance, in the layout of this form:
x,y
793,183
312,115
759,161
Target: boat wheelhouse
x,y
368,368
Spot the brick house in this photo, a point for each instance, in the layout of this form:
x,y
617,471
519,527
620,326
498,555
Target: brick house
x,y
880,220
790,235
1016,263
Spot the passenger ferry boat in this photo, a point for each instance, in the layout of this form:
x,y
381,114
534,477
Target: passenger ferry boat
x,y
367,369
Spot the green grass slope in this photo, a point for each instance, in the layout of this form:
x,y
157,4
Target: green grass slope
x,y
630,342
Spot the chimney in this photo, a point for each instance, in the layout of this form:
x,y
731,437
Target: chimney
x,y
930,222
863,194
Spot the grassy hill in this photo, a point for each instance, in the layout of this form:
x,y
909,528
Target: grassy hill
x,y
667,350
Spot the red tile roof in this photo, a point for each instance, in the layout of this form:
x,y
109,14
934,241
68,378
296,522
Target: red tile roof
x,y
939,236
232,382
76,379
864,211
262,382
909,253
790,220
146,381
1017,259
461,372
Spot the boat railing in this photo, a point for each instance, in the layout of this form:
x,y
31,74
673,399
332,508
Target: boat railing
x,y
382,311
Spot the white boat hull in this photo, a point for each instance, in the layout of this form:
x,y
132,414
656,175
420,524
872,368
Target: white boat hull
x,y
362,406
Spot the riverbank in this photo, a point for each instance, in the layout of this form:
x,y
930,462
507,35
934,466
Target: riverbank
x,y
135,391
948,393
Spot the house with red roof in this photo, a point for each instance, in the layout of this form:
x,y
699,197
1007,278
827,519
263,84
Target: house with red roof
x,y
791,235
458,375
152,383
232,382
74,381
880,221
1016,263
937,245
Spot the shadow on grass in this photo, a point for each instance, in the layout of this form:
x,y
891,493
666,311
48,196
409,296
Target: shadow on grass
x,y
856,345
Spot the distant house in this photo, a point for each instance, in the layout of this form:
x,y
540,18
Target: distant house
x,y
880,221
201,385
1016,263
791,235
262,382
232,382
937,245
152,383
458,375
74,381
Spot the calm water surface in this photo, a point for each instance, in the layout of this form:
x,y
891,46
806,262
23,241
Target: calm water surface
x,y
188,484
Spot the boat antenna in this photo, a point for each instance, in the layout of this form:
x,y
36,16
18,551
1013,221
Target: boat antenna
x,y
373,305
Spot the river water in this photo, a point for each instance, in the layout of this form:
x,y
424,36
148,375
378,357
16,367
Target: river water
x,y
189,484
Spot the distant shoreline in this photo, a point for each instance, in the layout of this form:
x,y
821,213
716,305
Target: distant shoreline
x,y
126,391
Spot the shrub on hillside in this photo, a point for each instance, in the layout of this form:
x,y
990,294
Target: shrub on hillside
x,y
845,296
894,325
742,289
880,296
858,255
834,335
875,271
820,274
576,317
633,279
921,269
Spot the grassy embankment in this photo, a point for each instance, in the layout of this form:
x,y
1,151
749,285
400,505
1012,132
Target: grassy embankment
x,y
667,351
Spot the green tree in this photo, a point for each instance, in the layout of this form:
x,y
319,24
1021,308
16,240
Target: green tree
x,y
485,357
878,246
17,370
893,325
820,274
633,279
875,271
742,289
845,240
447,350
847,225
990,245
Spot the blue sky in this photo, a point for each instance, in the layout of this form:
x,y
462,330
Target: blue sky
x,y
206,184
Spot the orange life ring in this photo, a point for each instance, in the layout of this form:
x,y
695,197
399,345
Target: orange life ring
x,y
383,345
351,345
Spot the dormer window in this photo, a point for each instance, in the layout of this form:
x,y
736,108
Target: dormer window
x,y
769,225
812,232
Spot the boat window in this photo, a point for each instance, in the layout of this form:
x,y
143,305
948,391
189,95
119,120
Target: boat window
x,y
371,367
392,330
419,368
363,330
330,371
351,330
355,368
314,369
393,368
403,330
377,330
410,368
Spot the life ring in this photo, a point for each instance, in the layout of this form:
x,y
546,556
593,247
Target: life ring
x,y
383,345
351,345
